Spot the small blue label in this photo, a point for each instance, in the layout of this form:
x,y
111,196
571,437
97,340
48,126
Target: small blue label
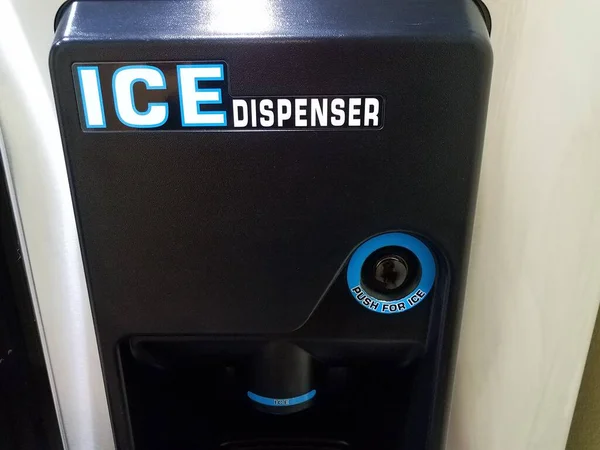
x,y
383,306
281,401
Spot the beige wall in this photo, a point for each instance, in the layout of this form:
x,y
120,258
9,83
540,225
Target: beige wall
x,y
534,281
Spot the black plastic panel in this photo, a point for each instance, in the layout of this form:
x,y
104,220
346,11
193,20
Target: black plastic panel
x,y
212,234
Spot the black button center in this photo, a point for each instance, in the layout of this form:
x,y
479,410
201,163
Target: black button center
x,y
391,271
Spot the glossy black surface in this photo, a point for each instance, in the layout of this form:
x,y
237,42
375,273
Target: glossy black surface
x,y
245,234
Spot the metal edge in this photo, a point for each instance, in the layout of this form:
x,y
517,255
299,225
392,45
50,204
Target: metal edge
x,y
61,11
485,12
29,274
35,172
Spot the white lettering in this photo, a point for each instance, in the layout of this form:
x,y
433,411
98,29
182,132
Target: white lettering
x,y
284,111
266,110
337,111
318,112
240,120
354,112
123,80
371,111
253,112
300,107
191,98
91,95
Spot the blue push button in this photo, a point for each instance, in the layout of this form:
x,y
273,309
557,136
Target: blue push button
x,y
380,303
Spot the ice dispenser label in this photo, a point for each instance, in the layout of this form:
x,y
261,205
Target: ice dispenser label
x,y
196,96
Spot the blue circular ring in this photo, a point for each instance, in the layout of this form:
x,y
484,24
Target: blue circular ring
x,y
278,402
396,239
